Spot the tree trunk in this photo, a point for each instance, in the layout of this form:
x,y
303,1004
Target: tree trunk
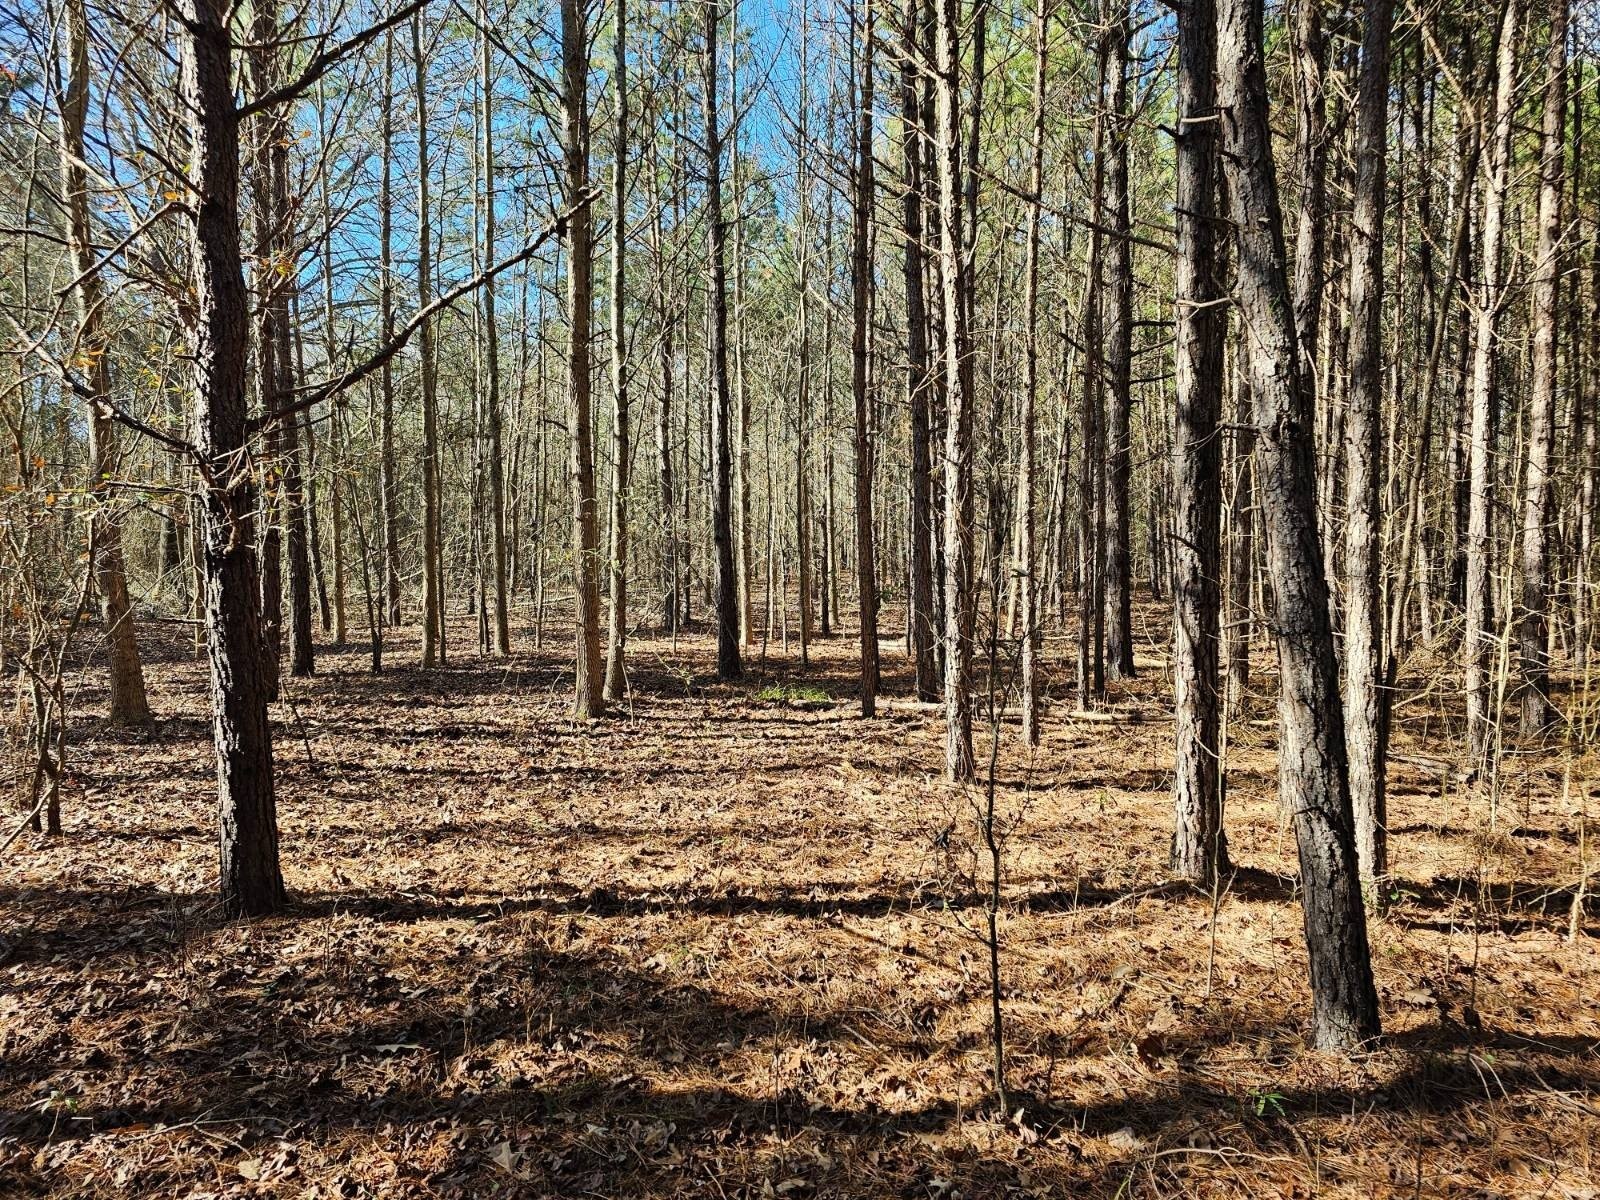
x,y
802,447
922,618
1118,570
389,476
1364,702
1537,711
958,497
861,296
493,418
617,624
1199,846
1313,771
589,701
729,664
432,549
1479,639
129,703
1027,555
251,882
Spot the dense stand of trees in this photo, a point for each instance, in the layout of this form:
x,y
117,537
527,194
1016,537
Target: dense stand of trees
x,y
964,322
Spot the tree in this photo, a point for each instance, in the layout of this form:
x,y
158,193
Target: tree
x,y
1364,703
1479,639
960,608
617,624
860,308
590,700
1537,711
1116,437
129,703
1312,767
1199,845
729,664
252,884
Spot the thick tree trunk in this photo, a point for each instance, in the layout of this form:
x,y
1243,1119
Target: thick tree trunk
x,y
1313,771
129,703
251,882
1364,703
1199,847
729,662
589,698
1537,711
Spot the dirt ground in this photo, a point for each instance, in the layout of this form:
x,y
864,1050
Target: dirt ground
x,y
727,943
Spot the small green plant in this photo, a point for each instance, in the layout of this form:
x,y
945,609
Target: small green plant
x,y
781,693
1267,1103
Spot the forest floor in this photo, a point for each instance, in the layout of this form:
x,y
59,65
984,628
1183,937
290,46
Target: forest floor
x,y
727,943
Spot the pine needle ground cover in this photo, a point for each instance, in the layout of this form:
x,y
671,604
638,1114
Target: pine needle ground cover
x,y
724,944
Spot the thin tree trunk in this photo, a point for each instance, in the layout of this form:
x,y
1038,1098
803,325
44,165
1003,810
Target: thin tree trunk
x,y
861,296
389,482
923,619
432,550
958,512
590,701
1479,640
1118,570
1027,556
1364,703
617,623
491,363
1537,711
729,664
129,703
